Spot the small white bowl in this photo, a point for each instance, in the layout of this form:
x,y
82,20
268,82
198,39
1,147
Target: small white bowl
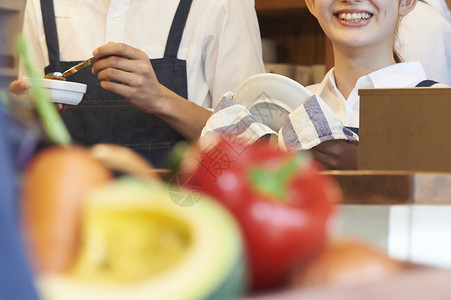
x,y
60,91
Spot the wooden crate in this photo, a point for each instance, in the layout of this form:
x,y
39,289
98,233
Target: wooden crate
x,y
405,129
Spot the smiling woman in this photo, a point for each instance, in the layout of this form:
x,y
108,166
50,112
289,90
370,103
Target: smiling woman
x,y
363,34
360,30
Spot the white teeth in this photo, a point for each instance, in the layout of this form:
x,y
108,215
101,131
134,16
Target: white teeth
x,y
354,17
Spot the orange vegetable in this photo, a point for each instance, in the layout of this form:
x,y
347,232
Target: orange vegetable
x,y
347,261
53,188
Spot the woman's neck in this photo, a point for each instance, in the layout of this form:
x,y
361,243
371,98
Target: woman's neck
x,y
351,65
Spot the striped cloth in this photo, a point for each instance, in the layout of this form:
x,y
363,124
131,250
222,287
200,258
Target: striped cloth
x,y
310,124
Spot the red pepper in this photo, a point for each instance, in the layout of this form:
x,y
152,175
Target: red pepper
x,y
281,202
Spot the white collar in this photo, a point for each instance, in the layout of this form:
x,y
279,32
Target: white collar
x,y
405,74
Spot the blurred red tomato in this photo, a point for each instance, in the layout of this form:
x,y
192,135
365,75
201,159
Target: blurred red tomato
x,y
281,202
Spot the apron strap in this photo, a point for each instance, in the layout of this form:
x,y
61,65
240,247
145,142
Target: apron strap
x,y
353,129
176,31
172,45
51,34
426,83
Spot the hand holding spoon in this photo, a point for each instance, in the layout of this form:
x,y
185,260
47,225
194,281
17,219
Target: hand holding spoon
x,y
68,72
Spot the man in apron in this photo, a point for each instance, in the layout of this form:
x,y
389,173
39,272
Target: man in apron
x,y
105,117
194,39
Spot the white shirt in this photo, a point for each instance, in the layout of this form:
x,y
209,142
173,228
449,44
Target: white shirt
x,y
425,35
221,41
401,75
441,6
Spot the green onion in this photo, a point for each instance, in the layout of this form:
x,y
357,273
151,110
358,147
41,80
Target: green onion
x,y
53,124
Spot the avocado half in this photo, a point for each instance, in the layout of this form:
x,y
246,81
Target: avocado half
x,y
137,243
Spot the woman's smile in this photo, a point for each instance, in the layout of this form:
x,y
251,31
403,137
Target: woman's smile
x,y
353,17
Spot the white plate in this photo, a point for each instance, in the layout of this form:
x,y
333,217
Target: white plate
x,y
66,92
271,97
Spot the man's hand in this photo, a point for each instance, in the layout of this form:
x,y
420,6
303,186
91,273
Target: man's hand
x,y
132,68
337,154
139,85
20,87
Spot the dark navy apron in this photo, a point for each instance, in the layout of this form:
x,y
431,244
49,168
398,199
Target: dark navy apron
x,y
105,117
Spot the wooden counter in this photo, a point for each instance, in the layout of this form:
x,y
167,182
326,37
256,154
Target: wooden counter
x,y
393,187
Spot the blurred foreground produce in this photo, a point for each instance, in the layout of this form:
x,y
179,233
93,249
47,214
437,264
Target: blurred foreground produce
x,y
346,261
90,236
138,244
122,159
54,185
282,205
51,120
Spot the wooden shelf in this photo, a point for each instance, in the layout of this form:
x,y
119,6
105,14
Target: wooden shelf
x,y
11,20
11,6
299,38
6,61
8,72
262,5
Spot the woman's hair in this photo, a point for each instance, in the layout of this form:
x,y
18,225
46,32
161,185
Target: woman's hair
x,y
396,55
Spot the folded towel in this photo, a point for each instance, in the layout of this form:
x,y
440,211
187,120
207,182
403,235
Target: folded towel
x,y
235,120
310,124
